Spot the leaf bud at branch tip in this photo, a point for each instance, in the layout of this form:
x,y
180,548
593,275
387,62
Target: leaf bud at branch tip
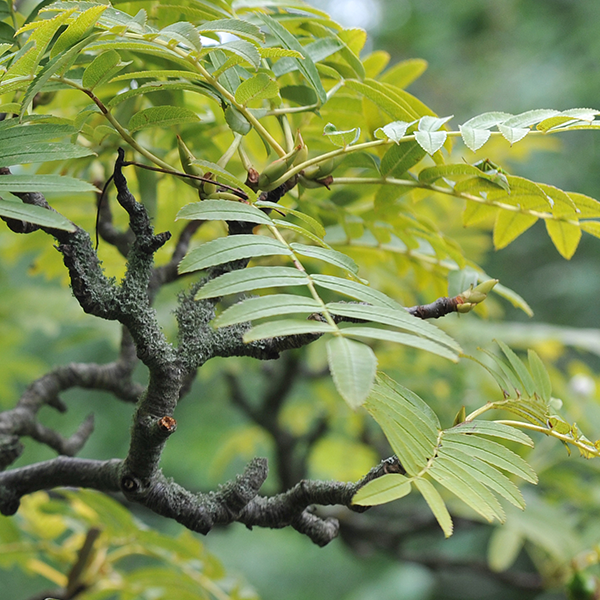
x,y
470,298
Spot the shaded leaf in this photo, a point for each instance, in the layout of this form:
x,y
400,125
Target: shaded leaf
x,y
353,366
35,214
40,152
493,429
400,158
44,183
386,488
436,504
287,327
405,339
543,386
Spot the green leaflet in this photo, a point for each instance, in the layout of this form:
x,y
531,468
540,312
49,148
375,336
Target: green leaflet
x,y
400,158
237,121
394,131
409,424
281,224
266,306
467,486
44,183
242,29
35,214
459,459
390,105
402,74
306,66
101,69
355,290
253,278
383,489
77,29
43,32
40,152
394,318
61,63
491,452
181,33
197,87
353,366
332,257
564,236
519,368
405,339
259,87
509,226
227,249
287,327
475,132
493,429
161,116
543,386
245,50
428,136
341,139
299,94
504,547
223,210
436,504
489,476
314,224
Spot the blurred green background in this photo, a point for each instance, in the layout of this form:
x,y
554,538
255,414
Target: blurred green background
x,y
483,55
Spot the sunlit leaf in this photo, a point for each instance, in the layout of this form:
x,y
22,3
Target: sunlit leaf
x,y
306,66
259,87
341,138
266,306
227,249
253,278
161,116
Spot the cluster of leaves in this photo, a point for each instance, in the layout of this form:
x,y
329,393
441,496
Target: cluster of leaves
x,y
58,539
459,458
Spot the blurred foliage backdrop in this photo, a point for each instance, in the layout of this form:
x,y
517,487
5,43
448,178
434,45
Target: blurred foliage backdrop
x,y
483,55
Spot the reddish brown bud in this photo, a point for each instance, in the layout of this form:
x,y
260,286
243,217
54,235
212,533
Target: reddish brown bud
x,y
167,424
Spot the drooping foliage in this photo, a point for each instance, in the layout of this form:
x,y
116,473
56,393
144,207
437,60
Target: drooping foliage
x,y
270,119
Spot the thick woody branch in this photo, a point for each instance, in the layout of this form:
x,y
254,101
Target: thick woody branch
x,y
440,308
